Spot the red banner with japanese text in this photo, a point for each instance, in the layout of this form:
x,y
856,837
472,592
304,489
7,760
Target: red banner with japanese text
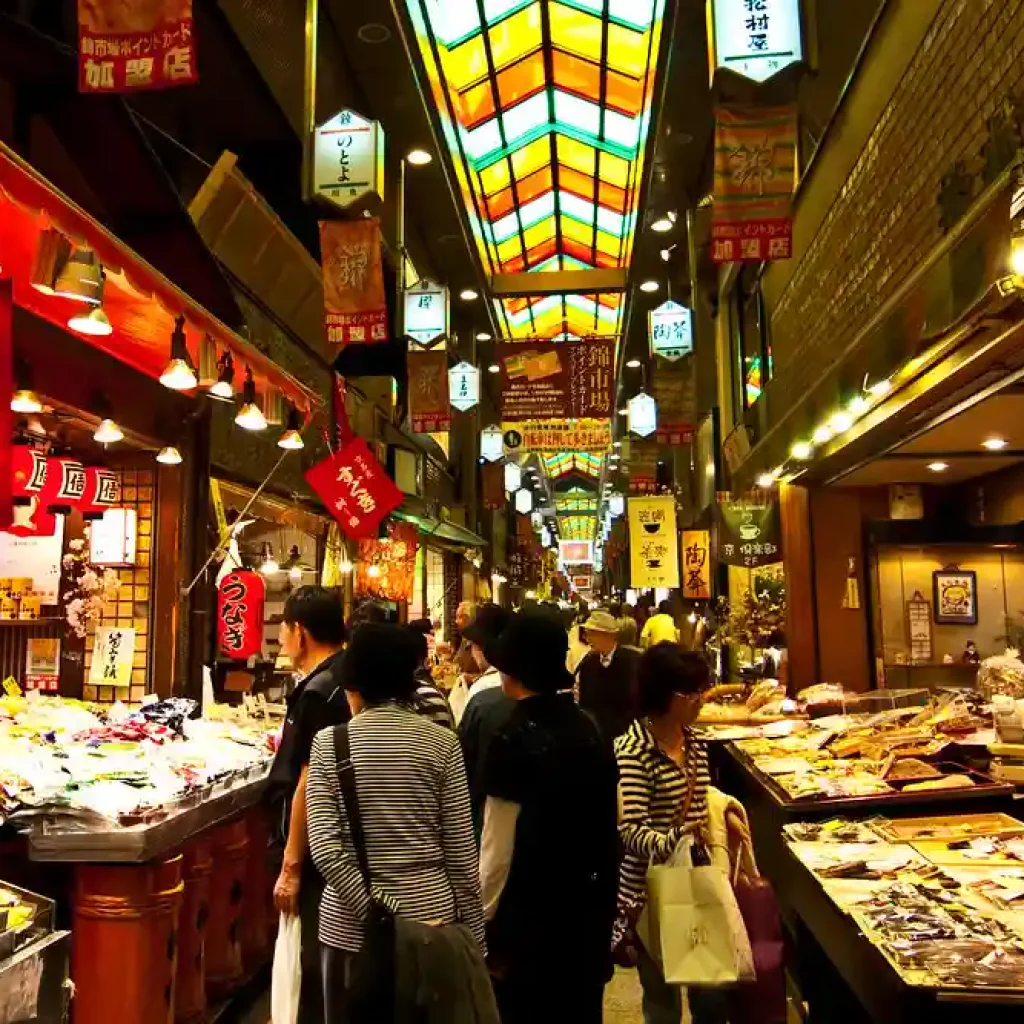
x,y
387,568
755,175
492,486
6,390
127,47
355,308
240,600
355,489
429,410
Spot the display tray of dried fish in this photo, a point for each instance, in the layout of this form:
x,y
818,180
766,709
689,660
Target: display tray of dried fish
x,y
947,827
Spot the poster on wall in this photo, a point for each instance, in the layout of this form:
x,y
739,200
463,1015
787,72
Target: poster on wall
x,y
42,664
653,544
557,380
955,593
355,308
755,175
749,533
112,655
387,567
129,47
34,558
429,411
696,565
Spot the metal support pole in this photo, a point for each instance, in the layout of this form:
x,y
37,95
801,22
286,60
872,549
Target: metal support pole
x,y
400,233
309,96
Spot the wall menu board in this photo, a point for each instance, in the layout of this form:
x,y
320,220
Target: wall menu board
x,y
919,629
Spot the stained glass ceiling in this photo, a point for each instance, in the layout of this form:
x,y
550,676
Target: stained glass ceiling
x,y
577,527
545,106
560,463
576,499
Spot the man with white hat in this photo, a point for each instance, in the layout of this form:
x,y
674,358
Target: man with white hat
x,y
606,686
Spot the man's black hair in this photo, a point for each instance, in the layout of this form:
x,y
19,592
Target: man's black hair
x,y
320,612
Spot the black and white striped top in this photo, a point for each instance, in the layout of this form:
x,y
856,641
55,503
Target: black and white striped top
x,y
652,792
414,802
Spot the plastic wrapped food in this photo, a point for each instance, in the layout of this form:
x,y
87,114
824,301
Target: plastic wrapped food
x,y
1003,673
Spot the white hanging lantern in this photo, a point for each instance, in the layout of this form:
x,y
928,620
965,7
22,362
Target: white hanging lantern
x,y
513,477
524,501
426,312
670,330
616,504
642,411
492,446
463,386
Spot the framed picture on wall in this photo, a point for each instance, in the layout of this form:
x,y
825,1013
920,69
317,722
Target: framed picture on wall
x,y
955,592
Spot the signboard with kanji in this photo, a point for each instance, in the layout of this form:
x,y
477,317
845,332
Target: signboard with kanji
x,y
426,312
112,655
463,386
670,330
128,47
429,411
755,175
749,533
348,159
642,415
696,565
559,435
653,543
755,38
355,308
240,599
492,443
355,489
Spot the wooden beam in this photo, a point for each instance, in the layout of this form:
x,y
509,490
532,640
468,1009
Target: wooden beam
x,y
558,282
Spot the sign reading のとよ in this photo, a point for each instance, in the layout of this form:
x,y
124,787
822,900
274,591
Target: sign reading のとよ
x,y
653,543
112,655
129,47
241,596
348,160
755,38
355,489
355,307
670,330
426,312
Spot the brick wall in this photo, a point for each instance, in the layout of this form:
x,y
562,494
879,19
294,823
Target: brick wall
x,y
886,218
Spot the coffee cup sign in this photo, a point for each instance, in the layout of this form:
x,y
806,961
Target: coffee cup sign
x,y
749,533
654,549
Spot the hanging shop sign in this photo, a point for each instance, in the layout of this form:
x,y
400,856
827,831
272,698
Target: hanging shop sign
x,y
102,492
673,389
355,489
464,386
429,411
563,380
749,533
63,486
616,504
523,501
755,175
113,652
128,47
240,599
560,435
513,477
642,415
355,308
696,565
576,552
670,330
653,543
348,160
492,486
426,312
113,538
387,567
492,444
755,38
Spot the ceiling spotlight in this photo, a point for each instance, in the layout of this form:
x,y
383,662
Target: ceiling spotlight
x,y
624,411
649,286
840,423
634,364
494,368
418,157
880,387
858,405
249,416
663,224
345,566
169,456
801,450
81,278
822,435
766,480
94,323
993,444
938,467
483,336
222,388
179,374
24,400
666,254
108,432
291,439
468,295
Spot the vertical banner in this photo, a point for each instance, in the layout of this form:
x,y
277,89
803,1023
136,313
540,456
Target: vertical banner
x,y
339,408
128,47
240,599
394,559
6,390
355,308
674,391
696,565
653,544
749,532
492,486
755,175
112,655
429,411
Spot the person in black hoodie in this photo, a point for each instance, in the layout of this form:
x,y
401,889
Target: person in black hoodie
x,y
312,636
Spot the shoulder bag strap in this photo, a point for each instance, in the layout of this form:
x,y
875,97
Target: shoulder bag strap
x,y
691,778
350,798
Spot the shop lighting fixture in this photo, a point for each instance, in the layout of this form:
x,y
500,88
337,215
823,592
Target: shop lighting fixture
x,y
993,444
624,411
468,295
223,388
494,368
483,336
52,251
616,444
179,374
649,286
108,432
666,254
801,450
880,387
94,323
291,439
81,278
169,456
26,401
268,565
249,416
692,618
822,435
633,364
345,567
840,423
765,481
1017,252
664,224
938,467
418,157
858,405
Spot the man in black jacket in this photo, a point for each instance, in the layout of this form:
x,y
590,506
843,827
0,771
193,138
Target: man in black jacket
x,y
606,679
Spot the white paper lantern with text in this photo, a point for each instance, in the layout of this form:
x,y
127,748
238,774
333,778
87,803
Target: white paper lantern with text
x,y
492,445
463,386
513,477
524,501
642,411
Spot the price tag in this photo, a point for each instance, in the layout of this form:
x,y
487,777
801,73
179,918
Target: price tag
x,y
11,687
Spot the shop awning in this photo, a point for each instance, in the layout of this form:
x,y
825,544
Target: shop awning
x,y
415,511
139,301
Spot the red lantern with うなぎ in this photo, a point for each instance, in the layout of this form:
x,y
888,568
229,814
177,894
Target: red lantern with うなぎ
x,y
240,600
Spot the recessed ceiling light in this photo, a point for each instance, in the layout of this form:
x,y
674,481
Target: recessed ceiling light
x,y
483,336
661,225
494,368
634,364
822,435
765,480
418,157
649,286
801,450
841,422
995,444
468,295
938,467
373,33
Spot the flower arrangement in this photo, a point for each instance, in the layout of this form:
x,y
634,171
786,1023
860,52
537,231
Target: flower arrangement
x,y
86,588
758,620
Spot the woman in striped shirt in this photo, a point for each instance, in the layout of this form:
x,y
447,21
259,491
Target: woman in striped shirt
x,y
663,785
414,803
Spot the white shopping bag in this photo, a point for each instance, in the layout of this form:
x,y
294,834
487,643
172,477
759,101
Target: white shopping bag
x,y
286,980
692,925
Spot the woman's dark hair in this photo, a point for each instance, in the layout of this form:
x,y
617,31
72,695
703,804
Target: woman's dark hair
x,y
665,670
419,642
665,607
380,663
319,611
422,626
368,611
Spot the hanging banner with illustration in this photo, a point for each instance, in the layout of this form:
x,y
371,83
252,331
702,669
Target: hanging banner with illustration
x,y
240,599
355,489
653,544
755,175
112,655
696,565
557,380
387,567
128,47
355,308
749,533
429,411
674,392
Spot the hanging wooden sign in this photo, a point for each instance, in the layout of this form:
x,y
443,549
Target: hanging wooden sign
x,y
919,629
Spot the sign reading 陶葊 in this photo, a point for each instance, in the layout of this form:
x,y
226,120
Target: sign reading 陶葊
x,y
240,599
653,543
696,565
128,47
426,312
755,38
355,308
557,380
755,174
670,330
355,489
112,655
749,533
348,159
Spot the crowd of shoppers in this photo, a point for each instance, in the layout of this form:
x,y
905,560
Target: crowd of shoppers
x,y
516,815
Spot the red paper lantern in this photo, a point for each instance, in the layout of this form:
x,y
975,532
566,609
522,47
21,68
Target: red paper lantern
x,y
102,491
64,486
240,599
28,472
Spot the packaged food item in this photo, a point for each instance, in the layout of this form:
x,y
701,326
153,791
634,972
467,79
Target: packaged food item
x,y
30,606
22,585
9,607
946,782
1002,673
